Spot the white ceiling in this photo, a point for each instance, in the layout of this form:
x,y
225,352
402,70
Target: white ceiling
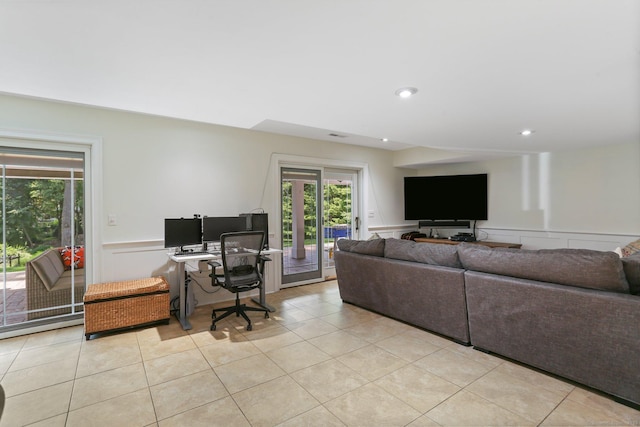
x,y
485,69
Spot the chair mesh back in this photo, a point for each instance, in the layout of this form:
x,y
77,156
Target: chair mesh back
x,y
240,256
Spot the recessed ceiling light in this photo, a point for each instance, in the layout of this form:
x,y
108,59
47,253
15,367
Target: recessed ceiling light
x,y
406,92
385,140
526,132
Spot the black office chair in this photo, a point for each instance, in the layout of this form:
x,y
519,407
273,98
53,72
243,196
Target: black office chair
x,y
2,400
243,267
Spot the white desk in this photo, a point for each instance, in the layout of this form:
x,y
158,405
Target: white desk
x,y
182,259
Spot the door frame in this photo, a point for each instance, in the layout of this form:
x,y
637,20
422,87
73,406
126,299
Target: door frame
x,y
279,161
92,148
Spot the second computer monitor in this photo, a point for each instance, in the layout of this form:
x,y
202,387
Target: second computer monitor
x,y
214,226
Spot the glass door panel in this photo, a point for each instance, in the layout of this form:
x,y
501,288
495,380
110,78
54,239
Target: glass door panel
x,y
301,221
339,213
42,216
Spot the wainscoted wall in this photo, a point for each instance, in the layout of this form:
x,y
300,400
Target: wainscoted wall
x,y
155,168
557,239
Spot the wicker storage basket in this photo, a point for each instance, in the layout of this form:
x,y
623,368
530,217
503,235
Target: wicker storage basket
x,y
118,305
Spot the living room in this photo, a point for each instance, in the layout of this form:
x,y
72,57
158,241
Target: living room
x,y
551,189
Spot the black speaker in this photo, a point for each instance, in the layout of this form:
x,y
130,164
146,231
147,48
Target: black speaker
x,y
444,224
258,222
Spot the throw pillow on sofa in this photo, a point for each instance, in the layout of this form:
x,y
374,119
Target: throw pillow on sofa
x,y
631,248
72,256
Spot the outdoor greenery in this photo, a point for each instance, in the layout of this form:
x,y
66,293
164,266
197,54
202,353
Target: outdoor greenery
x,y
337,209
337,204
37,216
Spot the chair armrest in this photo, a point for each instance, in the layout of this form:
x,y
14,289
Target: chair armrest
x,y
215,278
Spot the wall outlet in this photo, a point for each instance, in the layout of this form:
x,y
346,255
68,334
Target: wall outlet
x,y
112,219
371,214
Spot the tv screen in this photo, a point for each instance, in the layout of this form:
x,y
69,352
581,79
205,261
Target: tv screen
x,y
448,197
182,232
214,226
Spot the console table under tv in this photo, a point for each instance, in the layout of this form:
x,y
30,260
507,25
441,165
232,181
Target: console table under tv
x,y
477,242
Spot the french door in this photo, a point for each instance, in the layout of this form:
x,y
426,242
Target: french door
x,y
318,209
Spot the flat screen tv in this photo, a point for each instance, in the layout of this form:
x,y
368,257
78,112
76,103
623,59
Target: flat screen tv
x,y
179,232
214,226
447,197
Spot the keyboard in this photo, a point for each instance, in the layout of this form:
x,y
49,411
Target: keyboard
x,y
194,253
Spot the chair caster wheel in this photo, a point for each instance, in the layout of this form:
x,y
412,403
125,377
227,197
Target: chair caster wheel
x,y
212,328
249,327
266,314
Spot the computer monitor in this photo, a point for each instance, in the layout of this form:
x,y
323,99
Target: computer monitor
x,y
258,222
182,232
214,226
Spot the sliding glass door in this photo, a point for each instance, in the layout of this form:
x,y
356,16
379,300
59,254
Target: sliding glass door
x,y
318,209
42,226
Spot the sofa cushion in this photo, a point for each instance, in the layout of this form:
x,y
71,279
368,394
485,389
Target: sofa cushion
x,y
584,268
49,267
65,281
425,253
373,247
631,265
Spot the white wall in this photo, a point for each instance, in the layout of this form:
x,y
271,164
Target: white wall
x,y
155,167
560,199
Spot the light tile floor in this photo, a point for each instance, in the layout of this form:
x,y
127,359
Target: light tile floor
x,y
315,362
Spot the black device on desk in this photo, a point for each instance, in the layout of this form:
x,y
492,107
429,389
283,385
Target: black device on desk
x,y
463,237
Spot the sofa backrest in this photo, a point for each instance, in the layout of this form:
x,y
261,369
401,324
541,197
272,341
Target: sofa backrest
x,y
425,253
49,267
583,268
374,247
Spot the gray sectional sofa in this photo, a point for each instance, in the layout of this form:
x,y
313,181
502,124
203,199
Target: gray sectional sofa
x,y
571,312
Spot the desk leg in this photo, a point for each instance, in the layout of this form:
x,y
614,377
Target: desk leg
x,y
182,312
262,301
